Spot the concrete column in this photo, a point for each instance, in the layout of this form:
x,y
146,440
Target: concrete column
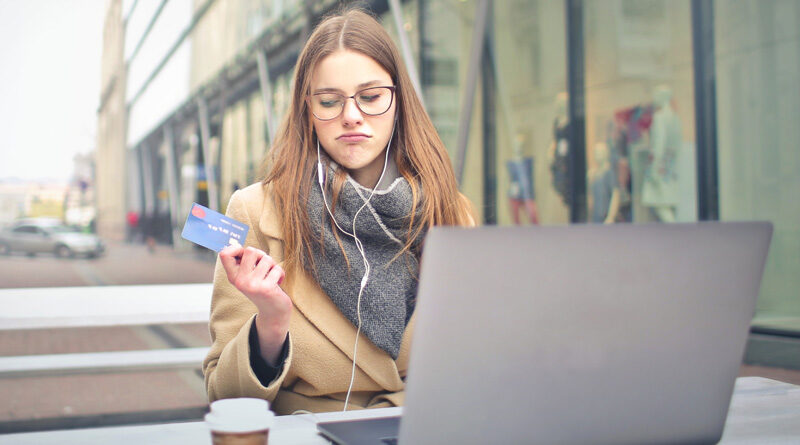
x,y
468,101
208,161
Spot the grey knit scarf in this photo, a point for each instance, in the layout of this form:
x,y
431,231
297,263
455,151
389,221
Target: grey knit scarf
x,y
382,227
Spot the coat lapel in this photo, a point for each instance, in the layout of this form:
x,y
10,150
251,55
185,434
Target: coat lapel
x,y
269,224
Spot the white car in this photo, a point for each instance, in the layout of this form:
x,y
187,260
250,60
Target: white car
x,y
33,236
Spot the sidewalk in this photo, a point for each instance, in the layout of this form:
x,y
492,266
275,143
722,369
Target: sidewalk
x,y
55,400
121,264
134,264
85,400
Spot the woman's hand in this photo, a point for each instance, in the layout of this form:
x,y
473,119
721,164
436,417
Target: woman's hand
x,y
258,277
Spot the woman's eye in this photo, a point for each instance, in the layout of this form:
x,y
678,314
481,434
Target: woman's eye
x,y
369,97
329,103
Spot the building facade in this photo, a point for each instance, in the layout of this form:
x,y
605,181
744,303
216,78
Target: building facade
x,y
553,112
110,154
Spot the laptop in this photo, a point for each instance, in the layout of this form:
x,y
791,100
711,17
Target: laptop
x,y
373,431
581,334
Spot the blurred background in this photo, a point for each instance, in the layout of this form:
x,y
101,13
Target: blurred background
x,y
116,116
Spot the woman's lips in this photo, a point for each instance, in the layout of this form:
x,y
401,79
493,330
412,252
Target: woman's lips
x,y
353,137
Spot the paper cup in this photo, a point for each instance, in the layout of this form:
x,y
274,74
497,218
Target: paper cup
x,y
242,421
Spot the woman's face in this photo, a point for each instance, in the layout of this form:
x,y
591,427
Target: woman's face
x,y
354,139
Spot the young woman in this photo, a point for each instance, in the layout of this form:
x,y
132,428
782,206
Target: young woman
x,y
315,311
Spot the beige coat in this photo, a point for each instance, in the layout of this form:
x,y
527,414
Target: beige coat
x,y
321,339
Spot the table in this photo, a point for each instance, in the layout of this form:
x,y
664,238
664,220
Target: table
x,y
762,411
288,430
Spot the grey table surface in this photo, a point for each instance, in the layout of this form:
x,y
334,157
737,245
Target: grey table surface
x,y
762,411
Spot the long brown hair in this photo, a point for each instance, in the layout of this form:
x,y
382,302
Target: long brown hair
x,y
418,151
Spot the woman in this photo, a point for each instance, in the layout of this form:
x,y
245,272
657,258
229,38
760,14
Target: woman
x,y
289,306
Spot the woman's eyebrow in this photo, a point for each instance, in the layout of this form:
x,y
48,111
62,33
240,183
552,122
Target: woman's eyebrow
x,y
340,91
328,90
369,84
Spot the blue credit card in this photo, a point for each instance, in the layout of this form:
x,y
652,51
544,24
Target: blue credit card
x,y
213,230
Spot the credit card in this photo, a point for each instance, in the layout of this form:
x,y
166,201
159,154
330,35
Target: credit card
x,y
213,230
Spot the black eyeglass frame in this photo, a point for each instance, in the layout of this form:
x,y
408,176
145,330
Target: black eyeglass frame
x,y
392,88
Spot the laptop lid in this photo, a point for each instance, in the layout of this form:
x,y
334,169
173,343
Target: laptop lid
x,y
581,334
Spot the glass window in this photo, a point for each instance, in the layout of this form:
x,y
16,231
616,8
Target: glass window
x,y
529,62
25,229
640,132
446,29
757,56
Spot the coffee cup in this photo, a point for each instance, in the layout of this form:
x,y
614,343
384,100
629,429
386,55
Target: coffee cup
x,y
241,421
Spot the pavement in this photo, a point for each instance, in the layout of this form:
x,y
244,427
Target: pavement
x,y
122,263
38,403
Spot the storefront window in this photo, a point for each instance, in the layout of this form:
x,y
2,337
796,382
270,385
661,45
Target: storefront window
x,y
529,62
757,56
640,132
446,39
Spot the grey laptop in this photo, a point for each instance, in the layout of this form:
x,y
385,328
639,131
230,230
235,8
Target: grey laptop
x,y
581,334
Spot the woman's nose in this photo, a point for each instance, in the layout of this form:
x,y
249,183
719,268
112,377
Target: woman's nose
x,y
351,113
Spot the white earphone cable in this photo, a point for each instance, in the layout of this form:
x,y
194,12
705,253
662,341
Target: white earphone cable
x,y
359,246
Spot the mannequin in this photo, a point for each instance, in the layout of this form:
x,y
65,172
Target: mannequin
x,y
604,198
521,195
558,154
660,189
520,191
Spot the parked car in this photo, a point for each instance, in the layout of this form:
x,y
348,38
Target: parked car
x,y
44,235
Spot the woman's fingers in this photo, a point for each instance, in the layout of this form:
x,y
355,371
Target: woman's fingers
x,y
229,262
275,276
251,271
266,276
256,275
250,257
262,268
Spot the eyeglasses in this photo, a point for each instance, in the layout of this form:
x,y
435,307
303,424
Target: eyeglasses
x,y
370,101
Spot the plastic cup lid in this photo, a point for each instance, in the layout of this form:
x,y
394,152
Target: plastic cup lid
x,y
239,415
